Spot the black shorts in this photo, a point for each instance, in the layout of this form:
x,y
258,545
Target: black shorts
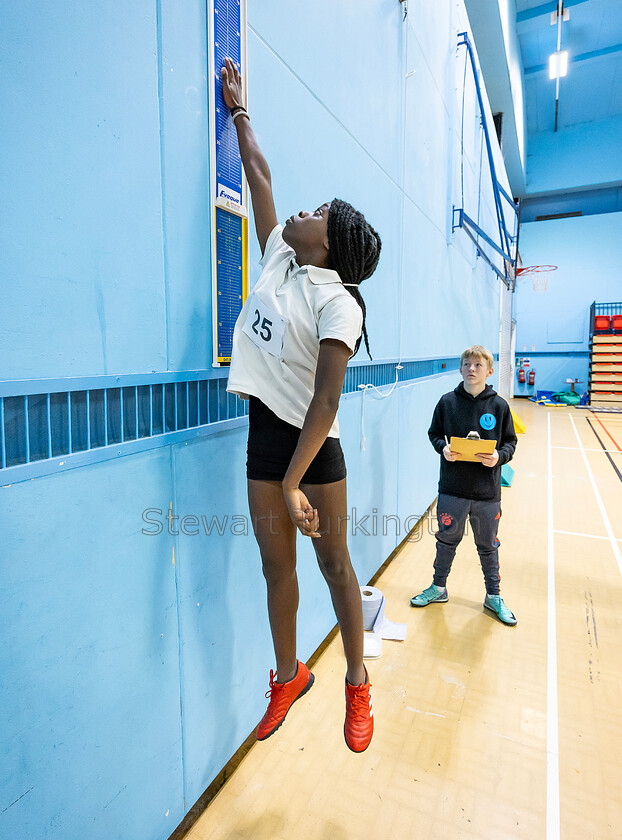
x,y
271,444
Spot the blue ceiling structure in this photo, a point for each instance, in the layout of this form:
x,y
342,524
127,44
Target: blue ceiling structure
x,y
582,147
592,90
572,166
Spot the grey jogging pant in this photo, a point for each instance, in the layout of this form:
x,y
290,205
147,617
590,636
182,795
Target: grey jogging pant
x,y
451,514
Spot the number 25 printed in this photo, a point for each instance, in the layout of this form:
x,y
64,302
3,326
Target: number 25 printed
x,y
264,331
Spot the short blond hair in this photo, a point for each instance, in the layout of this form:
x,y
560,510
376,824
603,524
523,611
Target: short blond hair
x,y
477,350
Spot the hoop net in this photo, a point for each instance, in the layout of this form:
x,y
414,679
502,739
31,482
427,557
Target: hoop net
x,y
539,275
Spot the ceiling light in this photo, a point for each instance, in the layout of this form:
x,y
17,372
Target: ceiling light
x,y
555,15
558,64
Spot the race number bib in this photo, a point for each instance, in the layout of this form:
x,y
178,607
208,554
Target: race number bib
x,y
265,327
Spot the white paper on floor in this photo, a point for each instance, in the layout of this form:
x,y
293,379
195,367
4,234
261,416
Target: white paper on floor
x,y
372,645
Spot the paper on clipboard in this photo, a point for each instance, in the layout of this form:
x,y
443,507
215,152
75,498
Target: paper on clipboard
x,y
467,448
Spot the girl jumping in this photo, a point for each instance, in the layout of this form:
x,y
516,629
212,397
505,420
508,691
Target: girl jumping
x,y
291,346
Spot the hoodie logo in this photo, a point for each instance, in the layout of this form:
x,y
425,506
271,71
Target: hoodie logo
x,y
488,421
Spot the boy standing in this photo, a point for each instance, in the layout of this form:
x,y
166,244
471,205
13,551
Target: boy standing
x,y
468,488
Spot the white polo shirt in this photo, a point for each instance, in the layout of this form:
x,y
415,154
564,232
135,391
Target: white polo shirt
x,y
276,340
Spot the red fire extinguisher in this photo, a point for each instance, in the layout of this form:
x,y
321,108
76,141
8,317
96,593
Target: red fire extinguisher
x,y
532,377
521,375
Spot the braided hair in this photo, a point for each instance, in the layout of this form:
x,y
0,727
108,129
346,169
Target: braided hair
x,y
354,249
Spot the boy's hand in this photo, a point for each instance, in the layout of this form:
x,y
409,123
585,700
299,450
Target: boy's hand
x,y
488,460
448,454
231,85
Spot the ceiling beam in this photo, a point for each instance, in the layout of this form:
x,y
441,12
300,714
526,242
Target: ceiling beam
x,y
544,9
538,68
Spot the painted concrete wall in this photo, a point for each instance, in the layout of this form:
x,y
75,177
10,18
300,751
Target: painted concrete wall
x,y
588,253
133,665
105,233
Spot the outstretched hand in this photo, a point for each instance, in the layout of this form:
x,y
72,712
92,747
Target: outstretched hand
x,y
302,514
231,85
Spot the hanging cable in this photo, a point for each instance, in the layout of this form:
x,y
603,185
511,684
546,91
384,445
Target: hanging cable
x,y
381,396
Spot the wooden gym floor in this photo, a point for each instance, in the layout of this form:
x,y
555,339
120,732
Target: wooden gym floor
x,y
482,730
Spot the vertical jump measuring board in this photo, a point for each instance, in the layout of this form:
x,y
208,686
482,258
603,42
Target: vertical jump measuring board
x,y
227,34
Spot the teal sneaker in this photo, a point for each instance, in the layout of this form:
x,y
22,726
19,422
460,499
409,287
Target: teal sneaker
x,y
495,604
432,595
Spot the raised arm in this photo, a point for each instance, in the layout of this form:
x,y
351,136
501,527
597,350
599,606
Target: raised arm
x,y
255,165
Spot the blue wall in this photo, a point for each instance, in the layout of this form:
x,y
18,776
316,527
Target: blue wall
x,y
553,326
133,666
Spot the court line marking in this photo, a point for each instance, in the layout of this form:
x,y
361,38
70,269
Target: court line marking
x,y
552,723
591,536
601,506
587,449
609,458
615,442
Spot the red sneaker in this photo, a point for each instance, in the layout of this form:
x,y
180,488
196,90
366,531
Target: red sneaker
x,y
359,725
282,695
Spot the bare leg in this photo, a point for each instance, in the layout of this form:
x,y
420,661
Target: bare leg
x,y
276,536
334,561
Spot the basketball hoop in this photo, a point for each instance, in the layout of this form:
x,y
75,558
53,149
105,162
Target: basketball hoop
x,y
539,275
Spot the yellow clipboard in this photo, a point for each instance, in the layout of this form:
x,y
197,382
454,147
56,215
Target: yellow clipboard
x,y
467,448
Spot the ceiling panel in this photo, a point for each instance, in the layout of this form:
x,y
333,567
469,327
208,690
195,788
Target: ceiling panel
x,y
586,92
591,90
616,90
532,104
521,5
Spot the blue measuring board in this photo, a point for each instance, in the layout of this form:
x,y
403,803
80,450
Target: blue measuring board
x,y
230,276
227,42
231,240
